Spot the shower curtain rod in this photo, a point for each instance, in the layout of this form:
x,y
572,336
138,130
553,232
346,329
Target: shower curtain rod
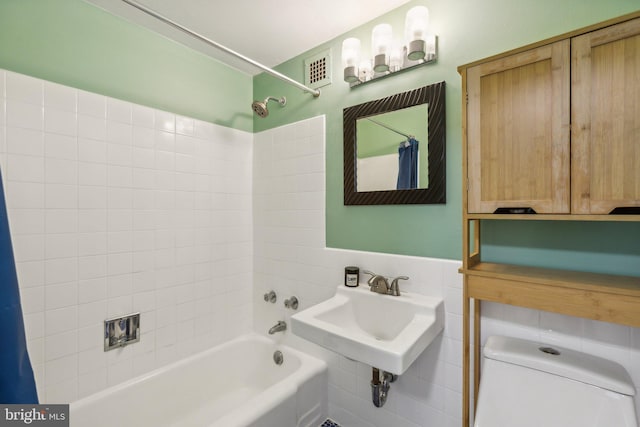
x,y
390,128
314,92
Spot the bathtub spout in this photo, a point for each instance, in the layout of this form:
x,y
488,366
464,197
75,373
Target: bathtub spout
x,y
278,327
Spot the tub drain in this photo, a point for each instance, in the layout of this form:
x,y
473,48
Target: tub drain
x,y
278,357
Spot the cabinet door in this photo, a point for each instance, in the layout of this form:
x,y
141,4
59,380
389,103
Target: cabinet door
x,y
518,131
605,136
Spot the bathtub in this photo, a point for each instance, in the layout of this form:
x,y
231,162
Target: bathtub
x,y
234,384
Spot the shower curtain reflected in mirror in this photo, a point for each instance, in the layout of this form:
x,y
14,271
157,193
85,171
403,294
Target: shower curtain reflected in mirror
x,y
408,165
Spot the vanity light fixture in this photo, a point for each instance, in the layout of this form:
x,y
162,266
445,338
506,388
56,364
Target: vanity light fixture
x,y
390,55
351,59
381,38
416,25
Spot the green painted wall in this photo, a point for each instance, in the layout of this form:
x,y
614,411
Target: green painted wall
x,y
604,247
77,44
468,30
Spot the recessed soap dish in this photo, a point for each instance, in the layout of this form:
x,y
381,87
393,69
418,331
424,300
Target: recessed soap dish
x,y
121,331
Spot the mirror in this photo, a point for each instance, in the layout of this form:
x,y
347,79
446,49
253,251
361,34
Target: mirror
x,y
385,138
394,149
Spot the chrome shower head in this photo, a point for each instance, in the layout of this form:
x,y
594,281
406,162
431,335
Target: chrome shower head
x,y
260,107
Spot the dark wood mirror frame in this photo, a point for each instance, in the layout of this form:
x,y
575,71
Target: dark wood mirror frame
x,y
434,96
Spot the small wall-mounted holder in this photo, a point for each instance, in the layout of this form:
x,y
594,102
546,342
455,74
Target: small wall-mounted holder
x,y
121,331
270,297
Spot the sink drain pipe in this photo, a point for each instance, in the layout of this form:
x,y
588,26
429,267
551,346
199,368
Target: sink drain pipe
x,y
380,389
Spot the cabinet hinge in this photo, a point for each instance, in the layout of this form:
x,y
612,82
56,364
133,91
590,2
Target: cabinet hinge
x,y
467,184
466,97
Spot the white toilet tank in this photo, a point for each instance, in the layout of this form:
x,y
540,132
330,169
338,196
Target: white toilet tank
x,y
526,384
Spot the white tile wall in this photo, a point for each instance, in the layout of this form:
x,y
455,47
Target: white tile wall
x,y
110,215
291,258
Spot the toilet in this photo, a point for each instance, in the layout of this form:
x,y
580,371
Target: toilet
x,y
527,384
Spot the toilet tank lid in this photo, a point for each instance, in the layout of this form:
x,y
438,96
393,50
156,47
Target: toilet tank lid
x,y
571,364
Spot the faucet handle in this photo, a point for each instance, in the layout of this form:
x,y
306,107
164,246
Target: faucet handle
x,y
377,283
373,280
270,297
370,273
291,303
395,288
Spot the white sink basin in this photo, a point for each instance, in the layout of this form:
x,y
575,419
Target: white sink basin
x,y
382,331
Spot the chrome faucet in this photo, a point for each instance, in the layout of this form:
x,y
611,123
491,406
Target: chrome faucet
x,y
278,327
377,283
380,284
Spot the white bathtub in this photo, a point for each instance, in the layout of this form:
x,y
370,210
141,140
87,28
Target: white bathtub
x,y
234,384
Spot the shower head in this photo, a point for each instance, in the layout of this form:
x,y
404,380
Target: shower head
x,y
260,107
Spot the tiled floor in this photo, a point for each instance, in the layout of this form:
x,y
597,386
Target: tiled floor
x,y
329,423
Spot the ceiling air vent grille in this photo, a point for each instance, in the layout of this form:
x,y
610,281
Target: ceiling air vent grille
x,y
317,70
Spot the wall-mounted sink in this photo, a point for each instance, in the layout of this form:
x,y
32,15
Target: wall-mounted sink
x,y
383,331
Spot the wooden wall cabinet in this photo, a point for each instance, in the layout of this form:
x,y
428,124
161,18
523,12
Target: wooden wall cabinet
x,y
605,116
556,127
553,126
518,131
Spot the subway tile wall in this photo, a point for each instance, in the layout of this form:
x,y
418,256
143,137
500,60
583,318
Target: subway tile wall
x,y
291,258
116,208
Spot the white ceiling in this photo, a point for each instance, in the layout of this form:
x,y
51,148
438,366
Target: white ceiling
x,y
267,31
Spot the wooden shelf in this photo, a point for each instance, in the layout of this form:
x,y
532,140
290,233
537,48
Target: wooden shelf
x,y
604,297
554,217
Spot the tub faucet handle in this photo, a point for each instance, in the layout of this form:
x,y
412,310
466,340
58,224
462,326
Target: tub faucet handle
x,y
270,297
291,303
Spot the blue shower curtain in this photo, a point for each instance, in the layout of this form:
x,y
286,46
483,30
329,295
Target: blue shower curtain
x,y
17,384
408,165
